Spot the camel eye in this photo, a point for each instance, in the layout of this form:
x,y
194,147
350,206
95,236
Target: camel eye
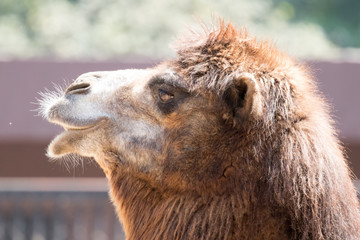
x,y
165,96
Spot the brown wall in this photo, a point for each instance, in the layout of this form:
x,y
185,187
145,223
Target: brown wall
x,y
24,136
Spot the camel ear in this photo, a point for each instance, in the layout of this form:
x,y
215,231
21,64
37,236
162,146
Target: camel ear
x,y
243,97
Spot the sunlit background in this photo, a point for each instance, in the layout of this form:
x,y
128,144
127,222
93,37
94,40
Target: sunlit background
x,y
53,41
110,29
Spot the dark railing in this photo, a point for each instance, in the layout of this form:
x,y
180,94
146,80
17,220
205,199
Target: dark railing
x,y
58,214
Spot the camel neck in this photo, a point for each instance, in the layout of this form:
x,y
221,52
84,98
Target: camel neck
x,y
147,213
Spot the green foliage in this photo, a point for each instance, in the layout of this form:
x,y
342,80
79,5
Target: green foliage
x,y
102,29
339,18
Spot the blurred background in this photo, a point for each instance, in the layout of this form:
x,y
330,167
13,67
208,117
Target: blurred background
x,y
46,42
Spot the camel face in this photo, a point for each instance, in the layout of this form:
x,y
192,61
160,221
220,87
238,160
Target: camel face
x,y
129,114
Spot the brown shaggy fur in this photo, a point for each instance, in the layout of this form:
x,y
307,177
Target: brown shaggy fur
x,y
250,154
280,175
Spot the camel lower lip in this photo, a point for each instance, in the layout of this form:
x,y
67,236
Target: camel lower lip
x,y
63,143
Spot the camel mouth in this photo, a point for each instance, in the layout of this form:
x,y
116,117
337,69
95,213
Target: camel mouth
x,y
77,128
80,125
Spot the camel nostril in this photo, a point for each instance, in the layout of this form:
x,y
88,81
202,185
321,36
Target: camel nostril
x,y
80,88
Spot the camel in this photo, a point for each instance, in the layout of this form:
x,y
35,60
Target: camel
x,y
229,140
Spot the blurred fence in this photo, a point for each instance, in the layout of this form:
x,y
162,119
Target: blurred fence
x,y
28,213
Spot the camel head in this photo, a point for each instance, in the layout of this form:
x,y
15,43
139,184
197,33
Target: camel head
x,y
170,123
151,121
